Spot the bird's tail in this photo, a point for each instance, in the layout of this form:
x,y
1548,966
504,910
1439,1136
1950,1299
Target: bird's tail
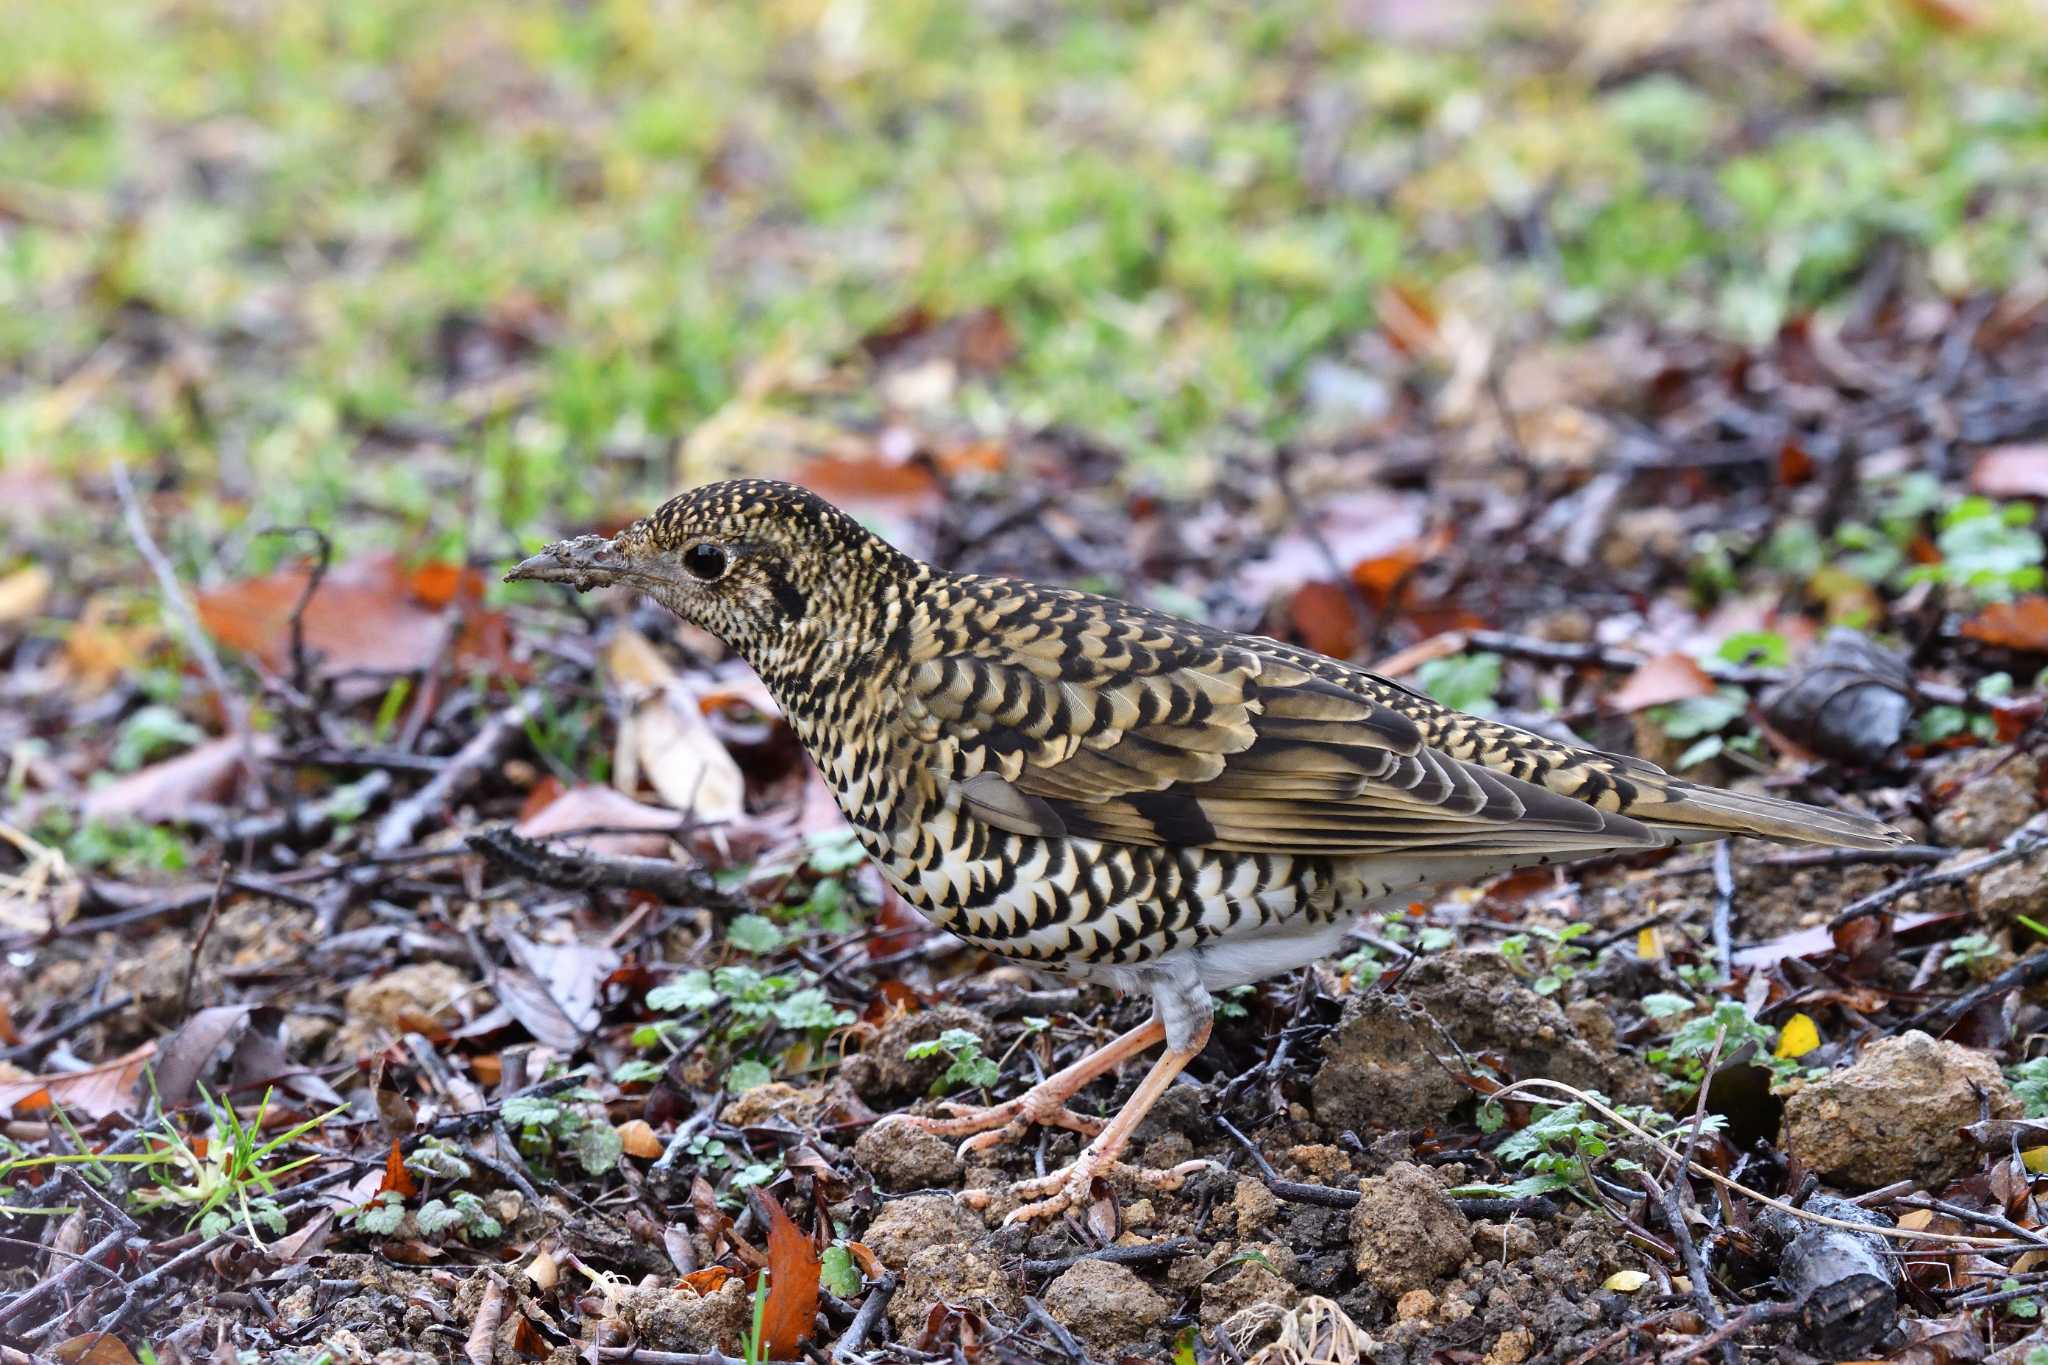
x,y
1693,813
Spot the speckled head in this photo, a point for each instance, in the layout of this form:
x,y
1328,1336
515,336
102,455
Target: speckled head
x,y
753,561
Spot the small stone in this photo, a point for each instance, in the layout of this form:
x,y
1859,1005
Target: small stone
x,y
1321,1163
1416,1303
1139,1213
1894,1114
902,1157
793,1105
955,1275
1512,1347
880,1073
2017,888
1995,793
1106,1305
1254,1205
904,1227
1505,1241
670,1318
1405,1232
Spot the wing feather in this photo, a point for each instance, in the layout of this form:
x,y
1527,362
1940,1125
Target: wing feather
x,y
1086,716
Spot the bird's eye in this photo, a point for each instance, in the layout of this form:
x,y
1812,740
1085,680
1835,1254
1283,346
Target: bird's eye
x,y
705,561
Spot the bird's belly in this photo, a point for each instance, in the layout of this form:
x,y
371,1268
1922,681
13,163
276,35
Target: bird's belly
x,y
1087,908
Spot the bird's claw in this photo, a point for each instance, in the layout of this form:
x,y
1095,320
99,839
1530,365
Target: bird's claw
x,y
994,1124
1070,1186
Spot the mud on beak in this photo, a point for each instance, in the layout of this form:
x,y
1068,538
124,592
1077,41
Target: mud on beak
x,y
583,563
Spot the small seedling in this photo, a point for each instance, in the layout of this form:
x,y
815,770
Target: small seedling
x,y
967,1066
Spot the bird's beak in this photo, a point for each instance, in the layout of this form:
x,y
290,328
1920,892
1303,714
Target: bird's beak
x,y
583,563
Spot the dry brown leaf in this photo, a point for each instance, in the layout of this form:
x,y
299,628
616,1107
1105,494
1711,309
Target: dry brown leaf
x,y
2020,625
793,1268
1667,678
24,593
372,614
2017,471
666,739
602,808
170,789
96,1092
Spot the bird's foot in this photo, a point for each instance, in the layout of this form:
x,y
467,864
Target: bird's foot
x,y
1070,1186
995,1124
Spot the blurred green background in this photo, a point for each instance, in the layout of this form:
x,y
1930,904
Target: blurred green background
x,y
472,266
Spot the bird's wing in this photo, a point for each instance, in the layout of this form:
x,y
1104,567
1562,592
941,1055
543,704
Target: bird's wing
x,y
1064,713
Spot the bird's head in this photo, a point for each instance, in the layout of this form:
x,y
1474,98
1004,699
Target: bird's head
x,y
757,563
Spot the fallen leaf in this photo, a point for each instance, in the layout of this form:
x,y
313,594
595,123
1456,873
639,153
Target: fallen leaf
x,y
186,1054
1326,618
666,739
1798,1037
1666,678
581,808
553,988
96,1092
1850,699
24,593
793,1269
396,1177
2018,471
707,1280
2020,625
542,1272
371,615
168,791
1950,16
102,646
1626,1281
93,1348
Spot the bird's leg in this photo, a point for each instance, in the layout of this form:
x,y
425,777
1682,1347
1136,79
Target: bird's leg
x,y
1044,1104
1069,1186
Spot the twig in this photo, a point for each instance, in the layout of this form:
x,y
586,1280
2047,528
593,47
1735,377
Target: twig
x,y
2024,842
1034,1311
56,1285
575,870
1724,913
179,607
396,830
1756,1315
863,1324
1673,1204
59,1032
1658,1144
220,887
1143,1254
1941,1018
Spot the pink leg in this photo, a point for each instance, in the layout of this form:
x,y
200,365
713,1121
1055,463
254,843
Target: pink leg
x,y
1068,1187
1044,1103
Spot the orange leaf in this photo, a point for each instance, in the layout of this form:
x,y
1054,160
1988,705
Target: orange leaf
x,y
707,1280
792,1282
95,1092
396,1177
2021,625
1326,618
93,1348
1667,678
369,614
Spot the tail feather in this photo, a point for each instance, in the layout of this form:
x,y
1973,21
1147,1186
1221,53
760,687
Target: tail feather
x,y
1692,813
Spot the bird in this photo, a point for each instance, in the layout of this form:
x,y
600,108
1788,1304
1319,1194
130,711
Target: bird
x,y
1122,796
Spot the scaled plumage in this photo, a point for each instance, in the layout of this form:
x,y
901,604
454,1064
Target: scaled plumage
x,y
1119,794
